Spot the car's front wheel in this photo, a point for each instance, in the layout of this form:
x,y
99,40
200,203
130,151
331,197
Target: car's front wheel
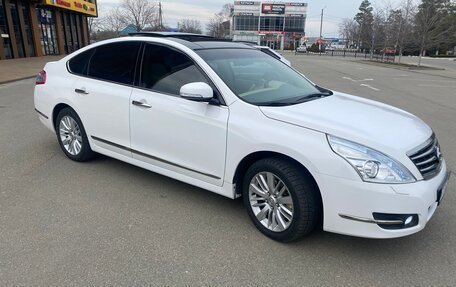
x,y
281,199
72,136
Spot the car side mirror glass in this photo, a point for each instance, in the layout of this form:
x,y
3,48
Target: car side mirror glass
x,y
198,92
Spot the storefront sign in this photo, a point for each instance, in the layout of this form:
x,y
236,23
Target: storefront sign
x,y
297,4
246,3
244,14
80,6
294,15
277,9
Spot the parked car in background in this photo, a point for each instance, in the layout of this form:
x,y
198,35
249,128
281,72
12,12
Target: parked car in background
x,y
229,118
389,51
301,49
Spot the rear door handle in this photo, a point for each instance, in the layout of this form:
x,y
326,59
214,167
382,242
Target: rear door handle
x,y
141,104
81,91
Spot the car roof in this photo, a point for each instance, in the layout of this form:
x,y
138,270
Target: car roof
x,y
185,36
194,41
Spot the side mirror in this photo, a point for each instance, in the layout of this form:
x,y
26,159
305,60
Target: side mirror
x,y
198,92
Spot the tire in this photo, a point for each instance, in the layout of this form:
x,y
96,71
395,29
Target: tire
x,y
70,131
300,190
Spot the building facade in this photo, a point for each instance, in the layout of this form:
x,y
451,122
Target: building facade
x,y
278,25
34,28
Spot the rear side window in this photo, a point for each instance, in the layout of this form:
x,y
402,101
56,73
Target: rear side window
x,y
166,70
78,64
114,62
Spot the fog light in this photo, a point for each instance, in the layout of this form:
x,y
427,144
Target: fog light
x,y
408,220
370,168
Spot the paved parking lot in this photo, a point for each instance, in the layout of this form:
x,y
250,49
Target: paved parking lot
x,y
108,223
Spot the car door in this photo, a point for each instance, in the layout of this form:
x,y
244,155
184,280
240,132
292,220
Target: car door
x,y
170,132
104,95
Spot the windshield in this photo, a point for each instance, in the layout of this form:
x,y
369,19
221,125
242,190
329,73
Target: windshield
x,y
258,78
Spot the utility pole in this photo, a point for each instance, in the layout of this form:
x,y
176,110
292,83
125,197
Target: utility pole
x,y
321,23
321,29
160,17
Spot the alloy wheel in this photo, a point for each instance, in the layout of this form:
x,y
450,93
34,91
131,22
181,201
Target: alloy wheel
x,y
70,135
271,201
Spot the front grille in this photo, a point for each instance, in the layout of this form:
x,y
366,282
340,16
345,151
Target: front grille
x,y
427,157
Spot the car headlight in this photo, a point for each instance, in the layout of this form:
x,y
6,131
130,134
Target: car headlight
x,y
371,165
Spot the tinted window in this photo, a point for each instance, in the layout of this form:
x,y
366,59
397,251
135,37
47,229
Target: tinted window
x,y
78,64
114,62
166,70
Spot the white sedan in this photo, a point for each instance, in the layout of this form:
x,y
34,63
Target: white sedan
x,y
228,118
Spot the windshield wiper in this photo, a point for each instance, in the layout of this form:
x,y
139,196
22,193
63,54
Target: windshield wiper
x,y
275,104
299,100
311,97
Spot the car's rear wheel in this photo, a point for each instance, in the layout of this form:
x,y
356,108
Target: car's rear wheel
x,y
72,136
281,199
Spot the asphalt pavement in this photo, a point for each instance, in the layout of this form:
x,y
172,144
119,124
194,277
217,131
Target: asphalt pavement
x,y
108,223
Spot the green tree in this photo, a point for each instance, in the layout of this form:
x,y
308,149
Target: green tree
x,y
365,20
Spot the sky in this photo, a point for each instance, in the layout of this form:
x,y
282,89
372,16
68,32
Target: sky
x,y
203,10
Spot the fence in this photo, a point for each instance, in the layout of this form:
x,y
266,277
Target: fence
x,y
356,54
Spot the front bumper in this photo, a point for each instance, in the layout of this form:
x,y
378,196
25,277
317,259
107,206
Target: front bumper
x,y
344,201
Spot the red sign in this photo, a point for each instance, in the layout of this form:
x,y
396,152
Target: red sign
x,y
277,9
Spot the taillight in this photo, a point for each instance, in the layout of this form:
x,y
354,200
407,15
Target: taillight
x,y
41,78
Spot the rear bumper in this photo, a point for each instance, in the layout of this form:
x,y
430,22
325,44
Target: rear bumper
x,y
349,206
45,120
42,107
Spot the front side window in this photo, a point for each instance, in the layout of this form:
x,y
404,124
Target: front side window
x,y
114,62
258,78
166,70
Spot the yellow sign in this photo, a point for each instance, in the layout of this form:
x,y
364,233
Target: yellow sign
x,y
80,6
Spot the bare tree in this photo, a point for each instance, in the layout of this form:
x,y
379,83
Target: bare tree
x,y
114,21
386,27
95,24
349,30
139,12
215,26
219,25
431,24
408,10
378,31
227,11
190,26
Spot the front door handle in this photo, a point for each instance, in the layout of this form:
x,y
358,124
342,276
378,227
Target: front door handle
x,y
81,91
141,104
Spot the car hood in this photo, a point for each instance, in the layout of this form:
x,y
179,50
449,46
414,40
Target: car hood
x,y
367,122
